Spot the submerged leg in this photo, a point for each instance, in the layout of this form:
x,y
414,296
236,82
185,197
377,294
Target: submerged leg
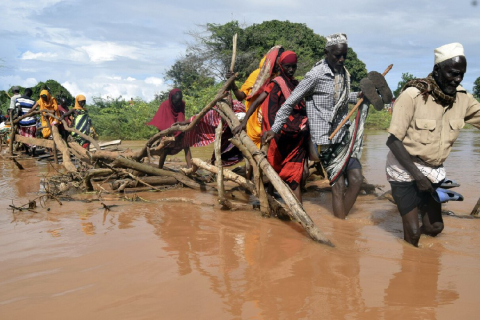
x,y
411,227
338,195
432,221
355,179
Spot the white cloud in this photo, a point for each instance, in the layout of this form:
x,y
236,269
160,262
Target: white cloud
x,y
154,80
28,55
130,79
108,51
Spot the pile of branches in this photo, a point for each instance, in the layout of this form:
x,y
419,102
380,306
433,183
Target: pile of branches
x,y
132,169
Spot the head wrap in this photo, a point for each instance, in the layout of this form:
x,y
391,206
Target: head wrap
x,y
288,57
79,98
50,103
265,73
448,51
167,114
336,38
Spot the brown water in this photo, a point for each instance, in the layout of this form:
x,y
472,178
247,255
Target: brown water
x,y
175,260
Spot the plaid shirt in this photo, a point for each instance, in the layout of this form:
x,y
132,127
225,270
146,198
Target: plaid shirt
x,y
318,88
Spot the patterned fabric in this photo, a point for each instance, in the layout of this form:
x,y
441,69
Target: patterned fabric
x,y
429,86
82,123
25,104
324,115
336,159
396,172
28,131
288,149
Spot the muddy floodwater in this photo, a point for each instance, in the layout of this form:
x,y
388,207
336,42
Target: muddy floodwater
x,y
189,260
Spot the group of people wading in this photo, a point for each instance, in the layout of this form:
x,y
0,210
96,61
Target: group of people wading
x,y
23,106
297,119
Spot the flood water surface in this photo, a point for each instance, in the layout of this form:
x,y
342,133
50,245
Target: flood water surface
x,y
184,258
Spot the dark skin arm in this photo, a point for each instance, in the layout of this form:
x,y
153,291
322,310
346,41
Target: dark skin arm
x,y
253,107
240,95
402,155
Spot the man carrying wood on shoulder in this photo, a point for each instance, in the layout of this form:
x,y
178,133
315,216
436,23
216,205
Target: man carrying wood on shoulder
x,y
326,89
427,118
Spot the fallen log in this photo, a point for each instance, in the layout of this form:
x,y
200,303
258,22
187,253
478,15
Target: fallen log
x,y
145,168
38,142
228,174
62,146
153,180
95,173
296,211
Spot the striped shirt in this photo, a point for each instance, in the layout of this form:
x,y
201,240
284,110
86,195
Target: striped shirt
x,y
318,89
25,104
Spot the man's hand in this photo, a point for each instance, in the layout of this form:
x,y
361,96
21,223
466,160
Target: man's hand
x,y
423,184
267,136
239,128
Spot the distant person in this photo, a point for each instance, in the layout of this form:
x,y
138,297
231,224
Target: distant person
x,y
426,120
81,120
13,99
170,112
27,126
49,103
253,87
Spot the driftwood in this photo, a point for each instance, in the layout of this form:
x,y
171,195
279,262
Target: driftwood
x,y
296,211
228,174
62,146
145,168
151,180
38,142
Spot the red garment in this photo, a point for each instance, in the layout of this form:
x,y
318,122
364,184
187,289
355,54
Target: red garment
x,y
288,149
167,114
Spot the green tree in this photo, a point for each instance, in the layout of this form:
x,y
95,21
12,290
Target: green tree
x,y
476,88
212,49
405,78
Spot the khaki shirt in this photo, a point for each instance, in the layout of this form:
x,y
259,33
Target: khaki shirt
x,y
427,129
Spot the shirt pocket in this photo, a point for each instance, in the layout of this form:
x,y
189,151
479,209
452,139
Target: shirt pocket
x,y
455,126
424,129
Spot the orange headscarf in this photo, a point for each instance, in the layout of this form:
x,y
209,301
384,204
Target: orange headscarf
x,y
79,98
50,104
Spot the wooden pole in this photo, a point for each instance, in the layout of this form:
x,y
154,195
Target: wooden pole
x,y
55,157
218,162
296,211
234,52
359,103
476,209
12,134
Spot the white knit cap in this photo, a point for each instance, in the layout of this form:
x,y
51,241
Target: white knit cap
x,y
448,51
336,38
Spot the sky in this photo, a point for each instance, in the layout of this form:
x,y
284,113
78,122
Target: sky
x,y
123,48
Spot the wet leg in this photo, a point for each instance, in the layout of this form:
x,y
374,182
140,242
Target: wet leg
x,y
355,179
161,162
298,193
432,221
411,227
338,196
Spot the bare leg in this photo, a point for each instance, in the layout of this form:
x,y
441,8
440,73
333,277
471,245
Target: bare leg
x,y
298,193
338,195
411,227
161,162
432,221
355,179
188,157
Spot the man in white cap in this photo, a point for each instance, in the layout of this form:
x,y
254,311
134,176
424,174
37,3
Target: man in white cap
x,y
326,89
426,121
13,99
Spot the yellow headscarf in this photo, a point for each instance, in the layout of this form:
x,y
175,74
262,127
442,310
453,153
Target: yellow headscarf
x,y
79,98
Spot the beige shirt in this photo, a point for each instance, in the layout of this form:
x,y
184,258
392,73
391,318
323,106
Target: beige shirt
x,y
427,129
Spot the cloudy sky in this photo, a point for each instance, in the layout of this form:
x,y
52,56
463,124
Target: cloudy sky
x,y
113,48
